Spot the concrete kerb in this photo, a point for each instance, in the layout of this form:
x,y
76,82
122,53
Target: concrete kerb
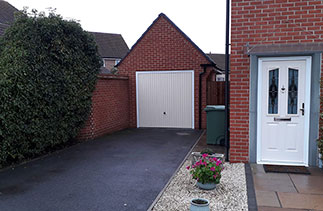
x,y
171,178
252,202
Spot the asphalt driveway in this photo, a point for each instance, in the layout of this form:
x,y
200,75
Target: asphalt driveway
x,y
122,171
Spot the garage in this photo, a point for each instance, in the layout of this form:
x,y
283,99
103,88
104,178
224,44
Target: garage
x,y
167,75
165,99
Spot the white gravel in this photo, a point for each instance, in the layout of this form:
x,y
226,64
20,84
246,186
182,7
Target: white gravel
x,y
230,194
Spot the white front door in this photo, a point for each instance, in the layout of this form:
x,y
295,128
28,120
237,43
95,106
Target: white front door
x,y
283,110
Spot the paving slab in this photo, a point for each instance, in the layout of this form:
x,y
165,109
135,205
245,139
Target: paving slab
x,y
308,184
122,171
267,198
257,169
301,201
274,182
260,208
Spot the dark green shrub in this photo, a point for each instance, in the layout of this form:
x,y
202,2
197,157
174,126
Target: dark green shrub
x,y
48,71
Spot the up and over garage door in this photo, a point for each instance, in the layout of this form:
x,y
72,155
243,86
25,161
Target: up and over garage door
x,y
165,99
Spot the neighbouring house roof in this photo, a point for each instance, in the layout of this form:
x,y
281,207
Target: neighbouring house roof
x,y
110,45
219,59
7,12
162,15
3,27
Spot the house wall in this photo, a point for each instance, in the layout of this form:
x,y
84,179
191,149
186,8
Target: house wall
x,y
163,47
110,107
109,63
261,22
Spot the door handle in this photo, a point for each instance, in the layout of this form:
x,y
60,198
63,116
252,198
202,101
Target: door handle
x,y
302,109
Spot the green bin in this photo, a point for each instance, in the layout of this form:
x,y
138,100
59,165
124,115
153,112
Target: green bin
x,y
215,117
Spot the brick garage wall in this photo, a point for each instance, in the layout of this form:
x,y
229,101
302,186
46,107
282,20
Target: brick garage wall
x,y
110,107
163,47
260,22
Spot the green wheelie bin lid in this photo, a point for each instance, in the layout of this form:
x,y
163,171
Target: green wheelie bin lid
x,y
214,108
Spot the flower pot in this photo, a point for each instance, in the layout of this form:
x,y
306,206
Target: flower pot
x,y
200,205
206,186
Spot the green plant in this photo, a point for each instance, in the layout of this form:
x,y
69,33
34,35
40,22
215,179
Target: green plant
x,y
206,170
207,151
48,71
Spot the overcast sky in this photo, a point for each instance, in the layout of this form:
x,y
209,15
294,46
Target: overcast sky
x,y
203,21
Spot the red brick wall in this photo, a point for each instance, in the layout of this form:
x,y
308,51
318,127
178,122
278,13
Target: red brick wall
x,y
109,63
164,48
263,22
110,107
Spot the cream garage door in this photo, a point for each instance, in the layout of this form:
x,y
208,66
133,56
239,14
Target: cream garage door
x,y
165,99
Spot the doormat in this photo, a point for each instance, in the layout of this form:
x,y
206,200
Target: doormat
x,y
286,169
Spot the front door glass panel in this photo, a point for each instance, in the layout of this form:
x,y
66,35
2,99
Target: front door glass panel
x,y
292,90
273,91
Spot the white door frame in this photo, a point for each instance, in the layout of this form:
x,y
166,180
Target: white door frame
x,y
158,72
308,71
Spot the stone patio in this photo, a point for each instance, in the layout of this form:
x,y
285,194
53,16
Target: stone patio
x,y
285,192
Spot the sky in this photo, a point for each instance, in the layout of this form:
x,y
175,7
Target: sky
x,y
201,20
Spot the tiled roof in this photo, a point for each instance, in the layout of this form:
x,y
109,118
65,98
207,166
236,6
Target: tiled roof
x,y
110,45
219,60
3,27
7,12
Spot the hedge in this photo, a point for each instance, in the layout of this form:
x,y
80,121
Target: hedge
x,y
48,71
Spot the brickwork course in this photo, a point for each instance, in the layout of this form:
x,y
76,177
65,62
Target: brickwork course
x,y
110,107
263,22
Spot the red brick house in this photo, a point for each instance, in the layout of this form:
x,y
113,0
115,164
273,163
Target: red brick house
x,y
275,69
112,48
167,78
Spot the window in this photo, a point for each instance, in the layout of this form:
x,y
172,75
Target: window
x,y
117,61
273,91
292,90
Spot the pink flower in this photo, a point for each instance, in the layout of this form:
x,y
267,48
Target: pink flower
x,y
212,168
214,176
215,159
188,167
218,162
205,155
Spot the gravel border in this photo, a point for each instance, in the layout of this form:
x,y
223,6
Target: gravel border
x,y
230,194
